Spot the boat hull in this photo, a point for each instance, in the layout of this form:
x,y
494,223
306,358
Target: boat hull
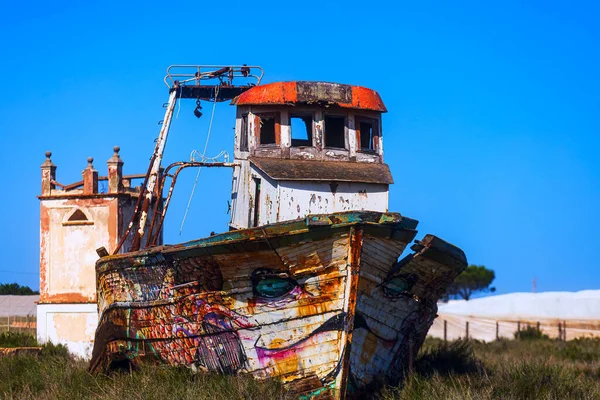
x,y
320,303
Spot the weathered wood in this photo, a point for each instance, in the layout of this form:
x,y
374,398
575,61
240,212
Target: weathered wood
x,y
316,306
497,331
445,331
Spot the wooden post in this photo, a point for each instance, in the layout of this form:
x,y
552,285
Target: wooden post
x,y
537,325
518,326
565,331
497,331
467,330
559,331
445,331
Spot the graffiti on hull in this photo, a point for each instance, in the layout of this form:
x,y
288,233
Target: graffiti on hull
x,y
280,311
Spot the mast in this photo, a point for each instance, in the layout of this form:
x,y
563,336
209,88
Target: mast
x,y
154,170
184,82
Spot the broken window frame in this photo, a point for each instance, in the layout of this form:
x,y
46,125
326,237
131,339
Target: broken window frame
x,y
344,135
244,146
310,129
276,116
373,143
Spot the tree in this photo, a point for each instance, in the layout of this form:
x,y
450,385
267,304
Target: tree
x,y
475,278
16,289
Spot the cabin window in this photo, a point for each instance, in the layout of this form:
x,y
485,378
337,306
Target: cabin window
x,y
301,126
269,128
244,133
367,132
335,127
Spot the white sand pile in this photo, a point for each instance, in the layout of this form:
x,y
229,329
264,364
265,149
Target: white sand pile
x,y
547,305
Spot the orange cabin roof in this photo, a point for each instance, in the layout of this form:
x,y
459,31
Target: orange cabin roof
x,y
307,92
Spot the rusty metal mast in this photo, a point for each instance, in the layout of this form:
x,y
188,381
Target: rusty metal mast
x,y
184,82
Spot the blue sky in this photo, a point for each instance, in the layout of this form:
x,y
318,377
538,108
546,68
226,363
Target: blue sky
x,y
492,130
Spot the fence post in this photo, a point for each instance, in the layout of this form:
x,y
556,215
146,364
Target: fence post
x,y
518,326
497,331
559,331
537,325
565,331
467,331
445,331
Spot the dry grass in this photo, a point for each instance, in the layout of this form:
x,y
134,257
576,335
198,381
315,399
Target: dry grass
x,y
56,375
536,368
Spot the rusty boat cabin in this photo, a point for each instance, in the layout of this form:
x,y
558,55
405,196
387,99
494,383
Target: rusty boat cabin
x,y
307,148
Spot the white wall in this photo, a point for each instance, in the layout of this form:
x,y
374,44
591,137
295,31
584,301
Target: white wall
x,y
289,200
299,199
72,325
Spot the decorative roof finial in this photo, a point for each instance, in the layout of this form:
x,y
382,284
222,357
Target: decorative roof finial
x,y
116,158
90,160
48,161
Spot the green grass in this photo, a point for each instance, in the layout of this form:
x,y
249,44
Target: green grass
x,y
55,375
532,368
15,339
529,368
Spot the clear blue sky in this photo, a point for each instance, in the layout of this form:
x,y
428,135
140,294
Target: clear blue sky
x,y
492,132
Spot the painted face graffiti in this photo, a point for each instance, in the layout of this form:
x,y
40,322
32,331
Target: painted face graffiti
x,y
212,330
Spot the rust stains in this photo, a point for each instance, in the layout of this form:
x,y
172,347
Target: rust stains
x,y
301,92
356,244
61,298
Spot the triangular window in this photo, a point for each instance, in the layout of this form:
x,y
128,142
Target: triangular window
x,y
78,215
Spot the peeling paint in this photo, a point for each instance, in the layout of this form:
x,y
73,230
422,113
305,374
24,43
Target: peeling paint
x,y
293,300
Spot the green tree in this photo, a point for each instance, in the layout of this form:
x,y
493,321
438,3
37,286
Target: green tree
x,y
16,289
475,278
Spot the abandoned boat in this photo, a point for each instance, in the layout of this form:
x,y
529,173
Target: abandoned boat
x,y
306,286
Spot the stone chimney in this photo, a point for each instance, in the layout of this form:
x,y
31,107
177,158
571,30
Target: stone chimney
x,y
115,172
48,175
90,178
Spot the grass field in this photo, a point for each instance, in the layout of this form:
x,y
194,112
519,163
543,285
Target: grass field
x,y
530,368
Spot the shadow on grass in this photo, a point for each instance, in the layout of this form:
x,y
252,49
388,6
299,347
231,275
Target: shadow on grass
x,y
455,358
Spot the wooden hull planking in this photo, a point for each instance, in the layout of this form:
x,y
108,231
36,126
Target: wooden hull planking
x,y
320,303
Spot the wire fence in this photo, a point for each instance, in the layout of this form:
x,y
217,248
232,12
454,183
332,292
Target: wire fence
x,y
18,314
20,324
453,327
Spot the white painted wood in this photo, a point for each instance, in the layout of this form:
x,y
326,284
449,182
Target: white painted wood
x,y
288,200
